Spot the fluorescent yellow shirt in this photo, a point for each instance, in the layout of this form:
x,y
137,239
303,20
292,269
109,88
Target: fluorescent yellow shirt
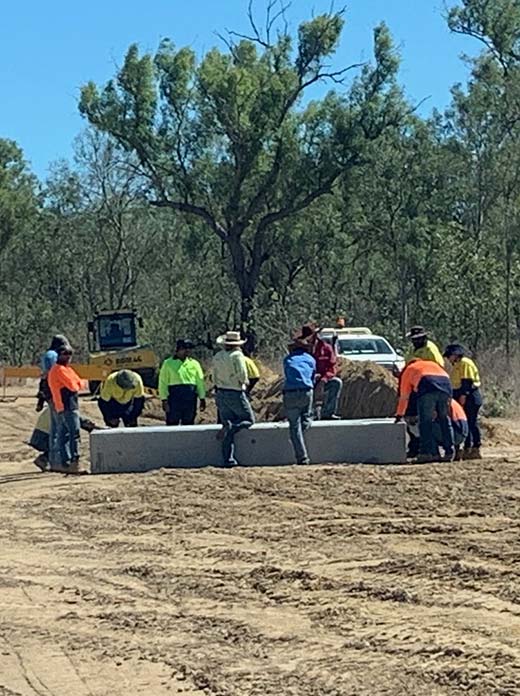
x,y
427,352
252,368
111,390
465,368
230,370
175,372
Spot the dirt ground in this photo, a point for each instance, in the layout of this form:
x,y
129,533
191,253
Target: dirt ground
x,y
315,581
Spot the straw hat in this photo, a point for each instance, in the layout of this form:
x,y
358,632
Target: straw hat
x,y
230,338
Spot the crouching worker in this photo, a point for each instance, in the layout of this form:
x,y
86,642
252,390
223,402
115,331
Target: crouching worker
x,y
459,423
299,372
41,436
122,399
465,379
432,385
181,383
65,385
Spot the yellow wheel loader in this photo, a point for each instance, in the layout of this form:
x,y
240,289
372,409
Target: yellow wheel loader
x,y
113,345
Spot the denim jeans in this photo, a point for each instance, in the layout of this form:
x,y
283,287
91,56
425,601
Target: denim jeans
x,y
54,455
331,394
236,413
298,409
427,405
68,436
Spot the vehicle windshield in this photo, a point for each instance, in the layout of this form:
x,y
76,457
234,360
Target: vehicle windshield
x,y
366,346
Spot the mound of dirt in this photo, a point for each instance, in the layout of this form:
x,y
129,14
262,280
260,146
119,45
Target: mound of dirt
x,y
369,391
499,434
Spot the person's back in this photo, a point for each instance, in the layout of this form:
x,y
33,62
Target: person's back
x,y
299,370
299,375
230,370
230,379
112,389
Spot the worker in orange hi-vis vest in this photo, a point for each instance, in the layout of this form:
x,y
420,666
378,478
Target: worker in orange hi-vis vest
x,y
65,385
431,383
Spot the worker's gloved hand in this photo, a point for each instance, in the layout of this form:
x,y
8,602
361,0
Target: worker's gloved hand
x,y
462,400
398,419
165,406
203,405
39,406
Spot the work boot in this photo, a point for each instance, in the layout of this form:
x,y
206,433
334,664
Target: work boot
x,y
425,459
473,453
42,462
458,455
60,468
448,457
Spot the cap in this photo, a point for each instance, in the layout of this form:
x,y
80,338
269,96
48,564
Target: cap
x,y
184,344
126,379
454,349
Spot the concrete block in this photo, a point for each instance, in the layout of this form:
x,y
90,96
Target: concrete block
x,y
266,444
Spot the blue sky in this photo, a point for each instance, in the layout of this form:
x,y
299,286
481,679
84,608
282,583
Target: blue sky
x,y
48,50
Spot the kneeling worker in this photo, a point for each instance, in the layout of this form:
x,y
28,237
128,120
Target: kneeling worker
x,y
181,382
122,399
432,385
459,423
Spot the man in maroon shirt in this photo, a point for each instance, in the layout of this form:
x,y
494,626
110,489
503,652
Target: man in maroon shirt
x,y
326,372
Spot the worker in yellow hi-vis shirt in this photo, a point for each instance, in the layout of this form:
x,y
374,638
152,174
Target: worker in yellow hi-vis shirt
x,y
423,348
465,379
181,383
253,373
122,399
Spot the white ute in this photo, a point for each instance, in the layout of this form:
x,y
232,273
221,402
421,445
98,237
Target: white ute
x,y
361,344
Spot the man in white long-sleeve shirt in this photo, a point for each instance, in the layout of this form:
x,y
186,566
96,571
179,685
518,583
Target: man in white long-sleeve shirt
x,y
230,378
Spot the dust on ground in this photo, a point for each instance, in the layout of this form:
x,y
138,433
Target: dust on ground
x,y
310,581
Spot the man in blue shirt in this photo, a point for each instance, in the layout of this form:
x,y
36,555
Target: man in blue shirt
x,y
299,371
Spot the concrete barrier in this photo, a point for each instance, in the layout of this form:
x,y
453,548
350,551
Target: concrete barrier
x,y
266,444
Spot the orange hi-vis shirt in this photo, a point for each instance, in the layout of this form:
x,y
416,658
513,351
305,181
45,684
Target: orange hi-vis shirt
x,y
65,383
421,376
457,413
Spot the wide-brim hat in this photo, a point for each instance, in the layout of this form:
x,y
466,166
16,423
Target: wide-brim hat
x,y
230,338
417,332
308,331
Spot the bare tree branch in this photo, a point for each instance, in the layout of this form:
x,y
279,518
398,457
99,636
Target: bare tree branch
x,y
195,210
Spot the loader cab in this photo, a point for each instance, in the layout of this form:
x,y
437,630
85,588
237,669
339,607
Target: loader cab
x,y
113,331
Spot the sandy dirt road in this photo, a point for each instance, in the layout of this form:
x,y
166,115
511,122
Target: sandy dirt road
x,y
318,581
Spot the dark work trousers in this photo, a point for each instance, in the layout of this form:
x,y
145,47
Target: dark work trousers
x,y
113,411
182,405
472,407
427,405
